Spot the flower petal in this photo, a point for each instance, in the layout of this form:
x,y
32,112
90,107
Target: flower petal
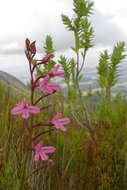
x,y
53,86
56,117
59,126
38,145
60,74
16,110
25,114
63,128
49,90
55,69
64,121
49,149
36,157
47,58
43,156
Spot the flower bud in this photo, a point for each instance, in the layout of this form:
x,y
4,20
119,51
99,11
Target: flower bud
x,y
27,44
33,48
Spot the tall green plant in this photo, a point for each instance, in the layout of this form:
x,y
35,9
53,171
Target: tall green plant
x,y
108,68
68,66
83,34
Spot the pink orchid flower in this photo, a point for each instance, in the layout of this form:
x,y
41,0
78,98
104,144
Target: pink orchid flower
x,y
59,123
54,71
24,109
42,151
48,86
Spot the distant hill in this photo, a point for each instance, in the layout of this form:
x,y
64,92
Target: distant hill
x,y
12,83
91,80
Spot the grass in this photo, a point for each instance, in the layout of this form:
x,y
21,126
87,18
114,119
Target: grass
x,y
81,160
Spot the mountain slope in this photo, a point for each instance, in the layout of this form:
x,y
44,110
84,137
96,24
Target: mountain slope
x,y
12,83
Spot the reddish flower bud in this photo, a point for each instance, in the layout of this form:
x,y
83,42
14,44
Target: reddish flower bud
x,y
33,47
27,44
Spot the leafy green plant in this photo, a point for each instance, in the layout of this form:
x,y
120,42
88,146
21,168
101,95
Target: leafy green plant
x,y
48,49
83,34
108,68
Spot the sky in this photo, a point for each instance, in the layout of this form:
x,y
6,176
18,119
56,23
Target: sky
x,y
36,19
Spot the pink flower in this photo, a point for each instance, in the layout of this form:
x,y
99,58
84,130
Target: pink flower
x,y
42,151
24,109
46,58
55,71
59,123
48,86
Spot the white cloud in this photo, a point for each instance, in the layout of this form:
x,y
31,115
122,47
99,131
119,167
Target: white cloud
x,y
36,19
11,48
117,9
111,7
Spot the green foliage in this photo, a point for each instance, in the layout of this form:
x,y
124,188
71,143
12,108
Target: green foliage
x,y
64,62
83,34
48,47
103,69
86,34
67,22
83,8
117,56
72,69
109,65
66,67
80,162
89,93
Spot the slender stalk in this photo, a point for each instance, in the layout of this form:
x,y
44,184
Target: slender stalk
x,y
35,82
43,96
77,74
42,133
78,87
36,66
83,62
33,172
77,54
42,124
45,107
